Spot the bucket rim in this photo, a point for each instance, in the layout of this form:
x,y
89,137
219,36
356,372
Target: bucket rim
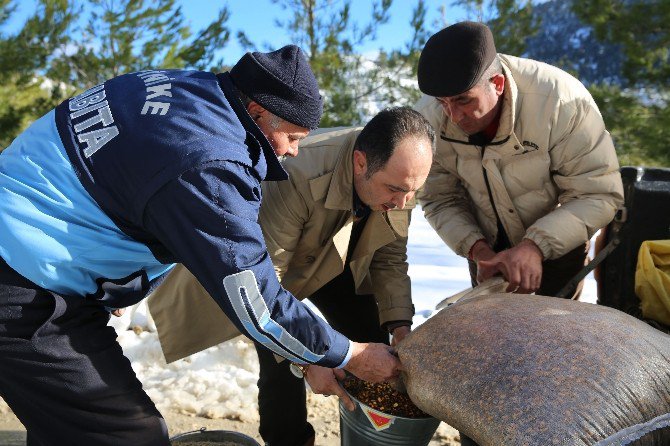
x,y
427,417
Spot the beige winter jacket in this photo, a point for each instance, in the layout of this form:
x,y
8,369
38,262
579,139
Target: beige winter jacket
x,y
552,169
307,224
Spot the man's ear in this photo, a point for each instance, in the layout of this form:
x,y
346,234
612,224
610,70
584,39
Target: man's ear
x,y
498,81
360,163
255,110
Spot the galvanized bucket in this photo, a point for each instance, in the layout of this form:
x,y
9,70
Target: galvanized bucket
x,y
216,436
366,426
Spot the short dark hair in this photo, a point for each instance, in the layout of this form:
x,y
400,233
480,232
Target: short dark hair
x,y
492,70
246,100
381,135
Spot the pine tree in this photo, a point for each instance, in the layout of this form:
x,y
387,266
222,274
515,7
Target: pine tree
x,y
641,28
123,36
638,117
511,22
25,92
352,84
66,46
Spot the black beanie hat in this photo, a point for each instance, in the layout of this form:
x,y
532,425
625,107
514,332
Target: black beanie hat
x,y
454,59
281,82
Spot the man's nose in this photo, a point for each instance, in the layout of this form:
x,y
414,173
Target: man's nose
x,y
293,150
402,199
455,114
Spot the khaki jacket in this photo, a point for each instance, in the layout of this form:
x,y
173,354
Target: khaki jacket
x,y
551,168
306,223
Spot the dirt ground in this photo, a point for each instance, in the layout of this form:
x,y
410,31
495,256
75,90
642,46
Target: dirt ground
x,y
323,414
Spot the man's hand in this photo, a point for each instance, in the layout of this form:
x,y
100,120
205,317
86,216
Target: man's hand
x,y
373,362
399,334
327,382
482,251
521,266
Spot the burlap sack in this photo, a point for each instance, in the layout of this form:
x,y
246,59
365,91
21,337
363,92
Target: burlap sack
x,y
518,370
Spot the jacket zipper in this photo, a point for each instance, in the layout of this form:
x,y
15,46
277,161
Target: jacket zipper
x,y
500,227
493,205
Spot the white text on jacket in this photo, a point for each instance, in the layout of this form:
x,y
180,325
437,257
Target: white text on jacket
x,y
93,101
157,86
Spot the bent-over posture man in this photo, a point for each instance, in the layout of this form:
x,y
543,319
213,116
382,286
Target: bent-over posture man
x,y
337,234
525,171
101,195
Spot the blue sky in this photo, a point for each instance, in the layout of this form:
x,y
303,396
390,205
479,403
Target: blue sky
x,y
257,19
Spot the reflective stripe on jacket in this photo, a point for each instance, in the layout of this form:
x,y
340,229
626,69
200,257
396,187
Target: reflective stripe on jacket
x,y
307,224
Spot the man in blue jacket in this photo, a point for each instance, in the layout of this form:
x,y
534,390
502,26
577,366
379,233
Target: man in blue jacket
x,y
102,195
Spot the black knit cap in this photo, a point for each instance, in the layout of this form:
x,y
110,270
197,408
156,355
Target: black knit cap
x,y
283,83
454,59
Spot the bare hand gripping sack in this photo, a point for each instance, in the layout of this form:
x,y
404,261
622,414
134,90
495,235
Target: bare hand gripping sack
x,y
510,369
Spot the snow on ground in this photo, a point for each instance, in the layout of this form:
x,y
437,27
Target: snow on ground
x,y
220,382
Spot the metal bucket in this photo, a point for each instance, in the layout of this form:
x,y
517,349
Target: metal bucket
x,y
217,436
366,426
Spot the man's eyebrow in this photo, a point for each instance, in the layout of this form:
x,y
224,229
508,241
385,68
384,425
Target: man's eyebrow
x,y
297,136
398,188
453,98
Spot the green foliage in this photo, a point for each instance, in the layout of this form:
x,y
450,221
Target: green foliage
x,y
350,82
25,94
641,27
511,22
27,53
122,36
640,122
21,103
640,130
66,46
7,8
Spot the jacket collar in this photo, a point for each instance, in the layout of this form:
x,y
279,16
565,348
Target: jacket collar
x,y
275,171
338,186
508,113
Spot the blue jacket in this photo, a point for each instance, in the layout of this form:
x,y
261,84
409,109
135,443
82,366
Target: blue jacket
x,y
102,195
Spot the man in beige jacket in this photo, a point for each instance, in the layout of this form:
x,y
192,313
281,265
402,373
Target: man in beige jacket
x,y
525,171
337,233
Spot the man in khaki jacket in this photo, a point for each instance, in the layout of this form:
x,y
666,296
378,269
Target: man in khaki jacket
x,y
337,233
525,171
